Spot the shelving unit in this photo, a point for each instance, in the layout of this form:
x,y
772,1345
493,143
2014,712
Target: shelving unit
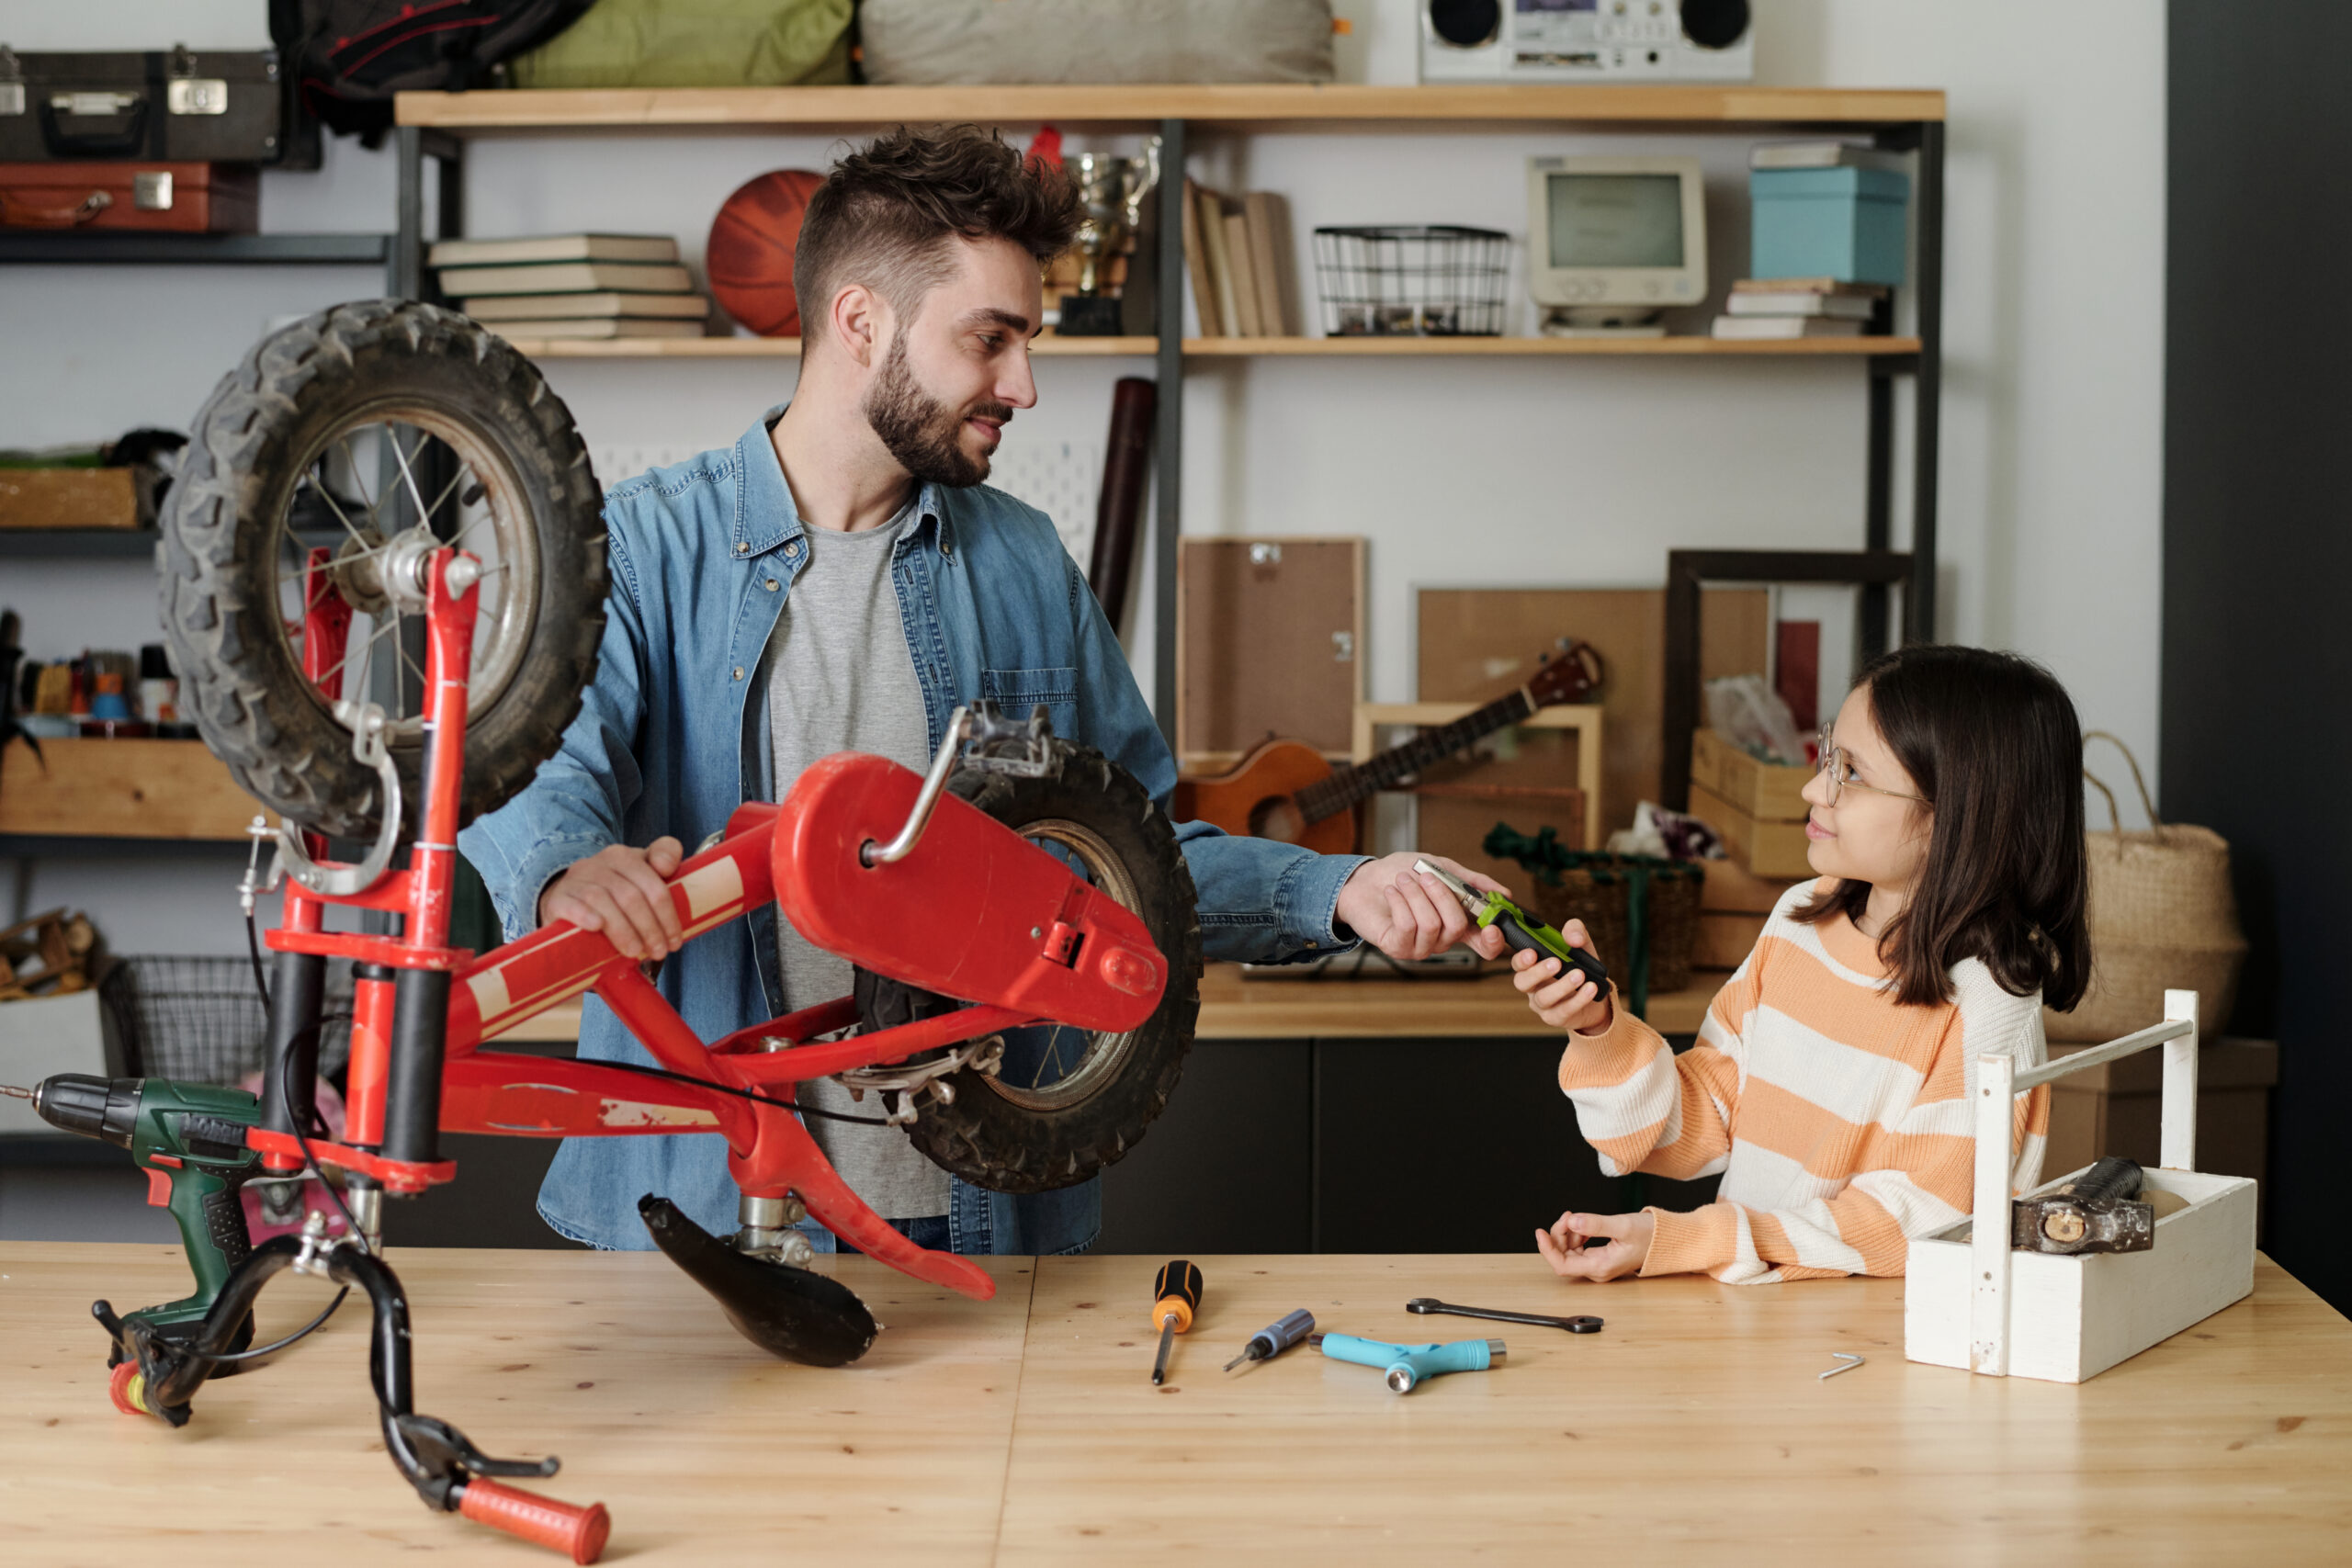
x,y
437,125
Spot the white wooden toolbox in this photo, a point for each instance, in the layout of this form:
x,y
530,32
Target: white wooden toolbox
x,y
1970,1300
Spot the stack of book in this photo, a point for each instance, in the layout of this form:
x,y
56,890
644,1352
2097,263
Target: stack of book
x,y
1238,254
573,286
1797,307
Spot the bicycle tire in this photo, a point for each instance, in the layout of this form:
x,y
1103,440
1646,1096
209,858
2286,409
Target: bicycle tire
x,y
990,1140
248,453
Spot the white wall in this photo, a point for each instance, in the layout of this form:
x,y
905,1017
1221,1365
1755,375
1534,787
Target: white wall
x,y
1461,472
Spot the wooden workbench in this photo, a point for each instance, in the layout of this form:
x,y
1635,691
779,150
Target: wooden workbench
x,y
1024,1429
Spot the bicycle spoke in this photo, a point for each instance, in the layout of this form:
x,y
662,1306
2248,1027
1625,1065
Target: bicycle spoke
x,y
463,472
326,493
424,513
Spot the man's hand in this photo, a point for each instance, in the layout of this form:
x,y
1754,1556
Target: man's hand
x,y
1566,1001
1627,1238
1408,914
620,891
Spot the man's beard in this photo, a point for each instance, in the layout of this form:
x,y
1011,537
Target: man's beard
x,y
922,433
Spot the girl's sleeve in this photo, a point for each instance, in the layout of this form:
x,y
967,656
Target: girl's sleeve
x,y
1642,1106
1911,1179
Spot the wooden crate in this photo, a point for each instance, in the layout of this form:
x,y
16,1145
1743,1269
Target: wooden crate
x,y
1970,1300
1585,720
68,498
121,789
1764,849
1765,791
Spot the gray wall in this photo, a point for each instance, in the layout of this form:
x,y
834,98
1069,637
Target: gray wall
x,y
2256,551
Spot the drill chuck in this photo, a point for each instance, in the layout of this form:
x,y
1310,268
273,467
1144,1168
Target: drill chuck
x,y
94,1107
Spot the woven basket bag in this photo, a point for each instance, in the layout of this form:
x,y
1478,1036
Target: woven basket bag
x,y
2162,915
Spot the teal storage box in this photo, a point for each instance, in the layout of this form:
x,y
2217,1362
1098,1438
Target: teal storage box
x,y
1841,223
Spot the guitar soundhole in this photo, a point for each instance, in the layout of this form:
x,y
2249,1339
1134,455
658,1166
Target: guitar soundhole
x,y
1278,820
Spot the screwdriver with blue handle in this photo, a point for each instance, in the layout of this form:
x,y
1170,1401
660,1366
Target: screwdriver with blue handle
x,y
1276,1338
1522,931
1406,1365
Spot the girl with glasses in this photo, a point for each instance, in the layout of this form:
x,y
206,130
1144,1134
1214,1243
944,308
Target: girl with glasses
x,y
1829,1084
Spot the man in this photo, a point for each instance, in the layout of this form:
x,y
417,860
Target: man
x,y
838,580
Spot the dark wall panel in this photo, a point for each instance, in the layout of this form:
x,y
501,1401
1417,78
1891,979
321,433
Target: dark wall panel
x,y
1227,1168
2257,538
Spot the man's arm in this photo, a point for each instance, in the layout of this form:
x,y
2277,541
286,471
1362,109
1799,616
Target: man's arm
x,y
576,804
1260,901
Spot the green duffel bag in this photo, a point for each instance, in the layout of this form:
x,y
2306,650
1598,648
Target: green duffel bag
x,y
695,43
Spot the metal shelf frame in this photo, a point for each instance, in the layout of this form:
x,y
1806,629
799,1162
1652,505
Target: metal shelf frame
x,y
1703,112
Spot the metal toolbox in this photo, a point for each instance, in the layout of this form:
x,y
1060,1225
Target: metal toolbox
x,y
232,107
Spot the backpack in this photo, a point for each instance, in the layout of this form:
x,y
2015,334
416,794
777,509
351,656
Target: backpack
x,y
350,56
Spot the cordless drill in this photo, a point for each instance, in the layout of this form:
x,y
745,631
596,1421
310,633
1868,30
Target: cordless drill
x,y
190,1140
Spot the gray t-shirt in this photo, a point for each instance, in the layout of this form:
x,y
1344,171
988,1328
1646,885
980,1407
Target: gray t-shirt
x,y
840,679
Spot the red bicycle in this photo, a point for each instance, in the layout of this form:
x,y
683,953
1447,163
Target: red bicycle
x,y
1023,1039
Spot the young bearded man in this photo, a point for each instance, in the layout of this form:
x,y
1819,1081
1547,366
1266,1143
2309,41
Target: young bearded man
x,y
839,580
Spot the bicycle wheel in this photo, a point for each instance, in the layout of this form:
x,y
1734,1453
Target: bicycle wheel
x,y
1065,1103
342,450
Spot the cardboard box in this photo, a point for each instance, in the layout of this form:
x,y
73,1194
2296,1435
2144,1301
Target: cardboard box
x,y
52,1034
1732,888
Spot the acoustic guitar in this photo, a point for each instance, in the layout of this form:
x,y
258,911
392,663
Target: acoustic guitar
x,y
1285,790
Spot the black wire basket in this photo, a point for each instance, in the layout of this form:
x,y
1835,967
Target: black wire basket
x,y
199,1020
1414,280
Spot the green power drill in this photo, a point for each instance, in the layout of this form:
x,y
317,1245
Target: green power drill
x,y
190,1140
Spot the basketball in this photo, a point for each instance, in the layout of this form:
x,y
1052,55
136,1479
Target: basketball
x,y
751,243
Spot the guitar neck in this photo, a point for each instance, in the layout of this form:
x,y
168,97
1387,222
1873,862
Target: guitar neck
x,y
1346,786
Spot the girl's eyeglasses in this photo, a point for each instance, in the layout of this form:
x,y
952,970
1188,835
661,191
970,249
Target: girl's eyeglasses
x,y
1834,764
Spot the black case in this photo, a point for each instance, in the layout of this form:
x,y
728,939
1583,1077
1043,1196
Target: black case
x,y
219,106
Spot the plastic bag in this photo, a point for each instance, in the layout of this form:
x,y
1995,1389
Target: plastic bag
x,y
1748,712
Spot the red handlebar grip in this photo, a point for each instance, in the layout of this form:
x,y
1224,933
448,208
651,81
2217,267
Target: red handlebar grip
x,y
542,1521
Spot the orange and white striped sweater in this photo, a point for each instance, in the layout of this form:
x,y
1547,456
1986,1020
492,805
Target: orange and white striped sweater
x,y
1838,1119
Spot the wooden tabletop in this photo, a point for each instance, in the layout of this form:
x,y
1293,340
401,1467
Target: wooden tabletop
x,y
1234,1007
1024,1429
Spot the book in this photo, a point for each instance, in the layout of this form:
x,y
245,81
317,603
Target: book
x,y
1823,155
1844,307
565,278
554,248
599,326
578,307
1270,266
1196,262
1808,286
1228,323
1758,328
1245,275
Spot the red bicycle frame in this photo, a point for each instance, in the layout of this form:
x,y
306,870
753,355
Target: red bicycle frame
x,y
973,911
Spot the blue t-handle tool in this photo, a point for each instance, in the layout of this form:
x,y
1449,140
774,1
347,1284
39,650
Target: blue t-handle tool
x,y
1405,1365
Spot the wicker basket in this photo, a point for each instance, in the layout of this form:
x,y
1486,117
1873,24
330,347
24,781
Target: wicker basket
x,y
199,1020
1602,890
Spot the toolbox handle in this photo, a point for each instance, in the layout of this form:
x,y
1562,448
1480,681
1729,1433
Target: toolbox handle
x,y
123,143
1998,1083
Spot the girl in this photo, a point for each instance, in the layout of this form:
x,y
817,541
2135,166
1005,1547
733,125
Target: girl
x,y
1829,1086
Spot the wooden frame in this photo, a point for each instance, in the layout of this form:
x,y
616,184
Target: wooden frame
x,y
1871,570
1584,718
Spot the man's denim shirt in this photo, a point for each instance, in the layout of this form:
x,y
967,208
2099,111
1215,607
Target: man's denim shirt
x,y
672,735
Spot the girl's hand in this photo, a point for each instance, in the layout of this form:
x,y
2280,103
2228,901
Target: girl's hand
x,y
1627,1238
1565,1001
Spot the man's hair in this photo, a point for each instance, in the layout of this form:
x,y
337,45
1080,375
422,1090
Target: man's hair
x,y
1992,741
889,215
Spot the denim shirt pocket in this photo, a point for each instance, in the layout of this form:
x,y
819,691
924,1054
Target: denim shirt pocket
x,y
1015,691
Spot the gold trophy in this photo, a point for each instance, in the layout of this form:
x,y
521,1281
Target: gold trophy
x,y
1113,190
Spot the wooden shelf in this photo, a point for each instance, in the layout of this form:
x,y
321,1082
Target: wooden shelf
x,y
1049,345
121,789
1238,108
1514,347
1233,1007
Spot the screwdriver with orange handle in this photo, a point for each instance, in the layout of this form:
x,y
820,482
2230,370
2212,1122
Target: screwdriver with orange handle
x,y
1175,1296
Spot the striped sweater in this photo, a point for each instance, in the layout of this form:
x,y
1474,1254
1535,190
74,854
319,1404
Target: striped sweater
x,y
1839,1121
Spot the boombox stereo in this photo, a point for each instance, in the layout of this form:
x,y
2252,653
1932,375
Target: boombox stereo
x,y
1586,40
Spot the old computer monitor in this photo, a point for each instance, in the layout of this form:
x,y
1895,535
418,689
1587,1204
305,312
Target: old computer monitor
x,y
1613,241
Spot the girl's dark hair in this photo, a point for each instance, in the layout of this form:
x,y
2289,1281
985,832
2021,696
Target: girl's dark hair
x,y
886,214
1992,741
